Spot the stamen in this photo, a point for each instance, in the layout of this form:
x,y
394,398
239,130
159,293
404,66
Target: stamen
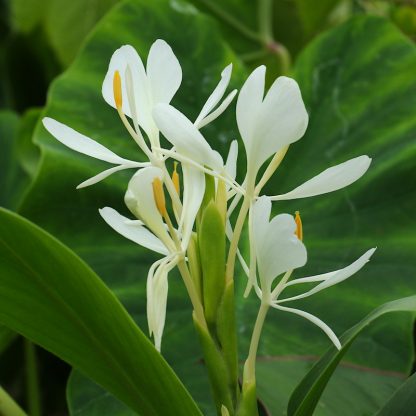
x,y
299,229
159,196
176,179
118,98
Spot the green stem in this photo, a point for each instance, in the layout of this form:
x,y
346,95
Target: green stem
x,y
254,56
32,379
229,271
193,294
265,15
231,20
8,407
250,364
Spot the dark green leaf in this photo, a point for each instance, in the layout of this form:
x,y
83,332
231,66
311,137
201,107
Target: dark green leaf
x,y
306,396
47,294
403,402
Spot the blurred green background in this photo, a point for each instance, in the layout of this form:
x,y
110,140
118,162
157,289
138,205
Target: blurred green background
x,y
356,64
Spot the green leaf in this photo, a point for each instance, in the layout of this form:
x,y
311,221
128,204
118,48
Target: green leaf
x,y
9,124
19,157
403,402
65,31
306,396
50,302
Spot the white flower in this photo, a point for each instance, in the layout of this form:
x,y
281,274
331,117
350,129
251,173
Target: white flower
x,y
142,88
268,124
151,231
278,251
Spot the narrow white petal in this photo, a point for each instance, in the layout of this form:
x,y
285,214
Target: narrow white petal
x,y
80,143
331,179
132,231
186,138
328,331
106,173
140,200
194,188
229,234
248,106
163,71
281,121
332,278
216,95
218,111
150,294
231,163
159,298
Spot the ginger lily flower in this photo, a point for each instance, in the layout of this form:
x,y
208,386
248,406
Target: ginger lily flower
x,y
133,91
153,229
270,123
142,88
278,251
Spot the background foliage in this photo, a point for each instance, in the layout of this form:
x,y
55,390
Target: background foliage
x,y
355,64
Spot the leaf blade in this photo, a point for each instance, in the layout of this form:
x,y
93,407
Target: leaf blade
x,y
50,302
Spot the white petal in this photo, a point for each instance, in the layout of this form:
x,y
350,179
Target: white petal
x,y
332,278
163,71
216,95
80,143
218,111
124,57
231,163
248,106
186,138
328,331
140,200
281,121
330,180
106,173
229,234
132,231
157,296
193,193
278,250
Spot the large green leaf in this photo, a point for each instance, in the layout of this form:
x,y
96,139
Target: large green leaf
x,y
306,396
52,297
360,98
403,402
65,31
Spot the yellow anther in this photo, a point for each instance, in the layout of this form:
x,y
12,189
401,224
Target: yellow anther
x,y
299,229
159,196
118,97
176,179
